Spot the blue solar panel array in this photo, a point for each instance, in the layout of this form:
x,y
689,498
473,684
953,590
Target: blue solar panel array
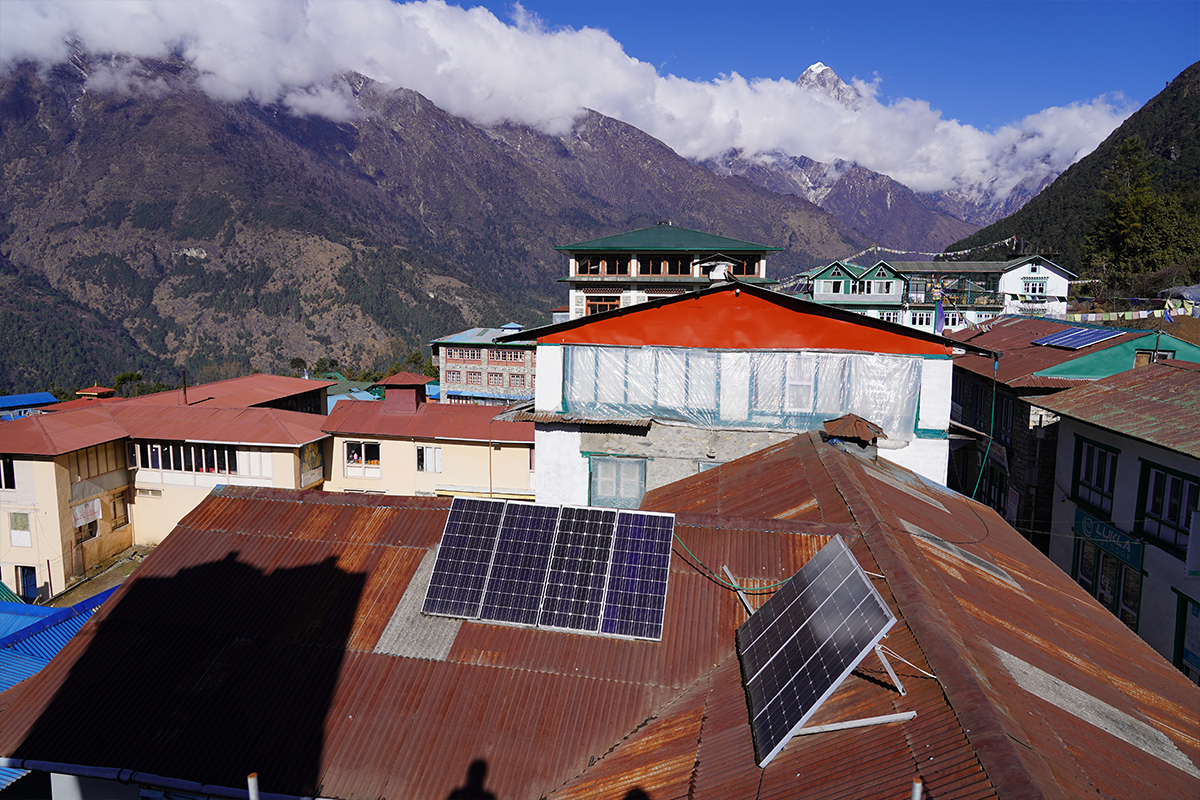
x,y
593,570
804,641
1077,338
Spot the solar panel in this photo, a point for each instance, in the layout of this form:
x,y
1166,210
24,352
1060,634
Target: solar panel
x,y
1077,338
637,579
804,641
592,570
460,571
518,574
579,568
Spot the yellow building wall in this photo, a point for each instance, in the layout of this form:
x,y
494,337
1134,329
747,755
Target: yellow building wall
x,y
467,468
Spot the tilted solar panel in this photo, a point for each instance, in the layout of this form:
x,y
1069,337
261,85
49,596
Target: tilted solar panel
x,y
579,568
1077,338
637,579
461,567
518,574
804,641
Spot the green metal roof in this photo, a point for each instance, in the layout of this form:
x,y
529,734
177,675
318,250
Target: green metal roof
x,y
668,237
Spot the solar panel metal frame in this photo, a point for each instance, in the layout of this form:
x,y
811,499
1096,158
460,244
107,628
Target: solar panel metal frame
x,y
647,579
775,650
1077,338
449,557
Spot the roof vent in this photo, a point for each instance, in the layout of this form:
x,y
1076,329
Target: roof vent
x,y
666,222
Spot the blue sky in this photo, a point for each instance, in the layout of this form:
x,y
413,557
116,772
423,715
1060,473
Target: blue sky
x,y
984,63
974,96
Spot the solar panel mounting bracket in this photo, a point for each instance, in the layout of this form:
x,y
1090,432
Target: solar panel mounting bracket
x,y
740,593
891,672
903,716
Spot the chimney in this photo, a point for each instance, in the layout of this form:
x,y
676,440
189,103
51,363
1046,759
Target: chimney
x,y
403,393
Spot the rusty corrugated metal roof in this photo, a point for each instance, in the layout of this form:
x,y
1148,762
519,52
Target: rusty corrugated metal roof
x,y
405,379
1159,403
241,392
1012,338
63,432
262,597
430,421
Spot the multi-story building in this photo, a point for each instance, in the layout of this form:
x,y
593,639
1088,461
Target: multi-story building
x,y
80,485
652,263
1005,449
907,292
403,445
474,369
1126,516
636,398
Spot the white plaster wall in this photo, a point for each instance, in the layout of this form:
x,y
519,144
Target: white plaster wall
x,y
937,380
564,472
926,457
548,393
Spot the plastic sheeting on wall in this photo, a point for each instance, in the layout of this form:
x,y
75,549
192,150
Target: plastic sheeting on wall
x,y
744,388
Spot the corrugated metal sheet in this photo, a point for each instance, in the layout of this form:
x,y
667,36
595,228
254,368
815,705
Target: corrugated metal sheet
x,y
263,597
1013,338
241,392
1158,403
430,421
60,432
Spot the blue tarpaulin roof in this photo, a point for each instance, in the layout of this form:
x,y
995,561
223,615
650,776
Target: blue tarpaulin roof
x,y
30,400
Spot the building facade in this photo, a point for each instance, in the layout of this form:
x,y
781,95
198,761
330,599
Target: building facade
x,y
637,398
971,292
474,369
1126,517
652,263
406,446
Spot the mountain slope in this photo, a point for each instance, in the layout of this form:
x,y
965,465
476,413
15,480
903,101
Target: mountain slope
x,y
1059,218
223,237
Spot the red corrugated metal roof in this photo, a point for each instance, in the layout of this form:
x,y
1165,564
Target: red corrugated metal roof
x,y
65,431
254,627
430,421
242,392
1013,338
1158,403
405,379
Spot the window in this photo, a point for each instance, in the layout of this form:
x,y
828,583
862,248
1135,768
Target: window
x,y
8,478
599,303
860,287
1114,583
1096,475
1187,638
831,287
513,356
801,379
429,459
1143,357
362,460
495,379
464,353
889,316
1168,501
587,265
120,511
953,319
187,457
980,316
149,492
27,583
1033,286
454,376
606,264
921,319
18,528
474,378
516,380
745,266
617,482
649,265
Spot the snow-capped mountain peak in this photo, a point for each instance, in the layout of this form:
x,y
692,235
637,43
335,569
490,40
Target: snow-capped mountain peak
x,y
821,78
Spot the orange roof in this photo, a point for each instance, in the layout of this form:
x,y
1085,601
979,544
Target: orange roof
x,y
95,389
405,379
241,392
267,595
463,422
742,316
66,431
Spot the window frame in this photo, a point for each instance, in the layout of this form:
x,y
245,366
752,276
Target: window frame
x,y
1123,577
1088,499
620,497
363,466
429,456
1152,527
8,473
600,303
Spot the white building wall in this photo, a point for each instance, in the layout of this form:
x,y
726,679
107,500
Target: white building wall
x,y
926,457
1013,281
937,382
563,468
549,389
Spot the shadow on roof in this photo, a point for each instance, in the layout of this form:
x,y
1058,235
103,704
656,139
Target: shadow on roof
x,y
250,655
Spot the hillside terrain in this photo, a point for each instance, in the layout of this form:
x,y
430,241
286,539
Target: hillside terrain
x,y
169,231
1058,220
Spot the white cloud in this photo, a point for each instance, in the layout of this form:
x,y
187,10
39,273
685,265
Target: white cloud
x,y
472,64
